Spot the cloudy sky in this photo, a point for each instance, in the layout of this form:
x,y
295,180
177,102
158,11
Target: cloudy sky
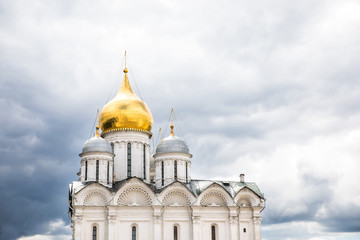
x,y
266,88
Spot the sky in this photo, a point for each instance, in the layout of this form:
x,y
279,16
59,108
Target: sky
x,y
270,89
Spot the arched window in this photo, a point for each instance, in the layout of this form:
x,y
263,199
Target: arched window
x,y
176,232
133,233
94,233
97,170
186,170
144,162
213,232
108,173
162,173
175,170
86,167
112,147
129,160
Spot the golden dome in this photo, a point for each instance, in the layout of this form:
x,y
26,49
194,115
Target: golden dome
x,y
126,111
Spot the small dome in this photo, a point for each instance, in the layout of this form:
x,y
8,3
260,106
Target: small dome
x,y
126,111
172,143
97,144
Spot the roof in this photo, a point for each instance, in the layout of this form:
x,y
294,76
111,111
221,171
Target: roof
x,y
195,186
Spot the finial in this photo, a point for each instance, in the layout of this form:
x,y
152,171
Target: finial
x,y
160,133
125,69
172,122
97,124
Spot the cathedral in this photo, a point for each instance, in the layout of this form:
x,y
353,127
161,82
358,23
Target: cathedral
x,y
125,192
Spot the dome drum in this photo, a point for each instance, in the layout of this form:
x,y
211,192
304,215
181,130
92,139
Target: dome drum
x,y
97,144
172,144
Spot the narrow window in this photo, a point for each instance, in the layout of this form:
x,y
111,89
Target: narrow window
x,y
97,170
112,147
144,161
86,170
94,233
176,233
162,173
244,230
186,170
175,170
213,232
108,172
133,233
129,160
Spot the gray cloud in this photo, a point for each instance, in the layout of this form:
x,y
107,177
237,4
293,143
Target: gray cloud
x,y
269,89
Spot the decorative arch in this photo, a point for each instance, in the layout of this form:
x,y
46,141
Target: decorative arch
x,y
94,194
176,194
215,195
134,196
95,199
132,190
213,198
246,198
176,198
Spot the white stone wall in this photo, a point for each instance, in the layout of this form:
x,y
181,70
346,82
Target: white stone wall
x,y
91,158
120,139
155,215
169,162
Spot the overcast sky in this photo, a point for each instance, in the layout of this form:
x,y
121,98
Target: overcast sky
x,y
266,88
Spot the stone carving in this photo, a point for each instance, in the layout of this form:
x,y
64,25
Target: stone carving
x,y
234,219
111,219
157,219
257,220
95,199
242,202
78,219
213,199
134,197
176,198
196,219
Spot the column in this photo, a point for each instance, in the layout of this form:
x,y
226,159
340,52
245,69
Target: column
x,y
257,227
196,227
234,227
111,227
157,223
77,227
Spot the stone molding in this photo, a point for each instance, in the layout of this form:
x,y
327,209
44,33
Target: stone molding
x,y
134,196
213,199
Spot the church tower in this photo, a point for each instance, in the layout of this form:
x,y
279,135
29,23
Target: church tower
x,y
126,123
124,193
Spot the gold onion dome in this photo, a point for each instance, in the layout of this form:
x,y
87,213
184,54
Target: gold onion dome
x,y
126,111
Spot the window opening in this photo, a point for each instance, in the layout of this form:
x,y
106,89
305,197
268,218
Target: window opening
x,y
97,170
129,160
108,172
133,233
175,170
94,233
162,173
213,232
186,170
86,168
176,233
144,160
244,230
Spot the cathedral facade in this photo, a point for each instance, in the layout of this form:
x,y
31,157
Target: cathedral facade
x,y
124,192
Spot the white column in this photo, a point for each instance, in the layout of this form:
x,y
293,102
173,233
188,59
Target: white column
x,y
147,162
234,227
257,228
169,171
196,228
77,227
157,223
